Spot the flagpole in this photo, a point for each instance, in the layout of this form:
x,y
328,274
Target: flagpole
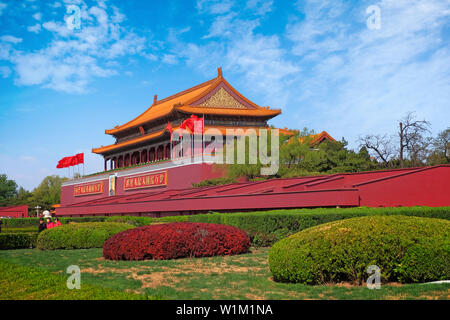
x,y
171,149
203,131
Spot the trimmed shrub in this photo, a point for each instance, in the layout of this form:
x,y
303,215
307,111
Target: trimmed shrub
x,y
176,240
144,221
34,222
406,249
33,229
267,227
10,241
79,236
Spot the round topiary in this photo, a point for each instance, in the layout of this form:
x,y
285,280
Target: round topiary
x,y
79,235
176,240
406,249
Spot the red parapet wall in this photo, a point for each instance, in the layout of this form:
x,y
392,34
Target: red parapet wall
x,y
14,212
129,181
426,186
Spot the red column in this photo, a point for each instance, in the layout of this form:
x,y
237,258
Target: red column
x,y
164,152
148,155
106,162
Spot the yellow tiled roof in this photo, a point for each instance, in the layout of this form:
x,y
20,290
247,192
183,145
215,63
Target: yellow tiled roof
x,y
183,101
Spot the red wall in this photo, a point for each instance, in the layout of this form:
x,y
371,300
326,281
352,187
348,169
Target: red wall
x,y
178,178
429,187
15,212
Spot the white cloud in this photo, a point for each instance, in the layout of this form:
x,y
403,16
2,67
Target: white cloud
x,y
260,7
35,28
214,6
361,81
74,58
37,16
170,59
10,39
60,29
260,61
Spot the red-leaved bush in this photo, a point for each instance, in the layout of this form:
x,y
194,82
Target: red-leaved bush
x,y
176,240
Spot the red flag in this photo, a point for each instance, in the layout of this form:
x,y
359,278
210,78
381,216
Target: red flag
x,y
80,158
199,125
70,161
73,161
169,127
188,124
62,163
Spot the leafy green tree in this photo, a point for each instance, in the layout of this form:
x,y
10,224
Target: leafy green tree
x,y
299,158
23,197
47,193
440,149
8,190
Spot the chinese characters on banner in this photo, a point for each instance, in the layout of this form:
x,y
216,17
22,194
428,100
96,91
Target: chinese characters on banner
x,y
88,189
146,181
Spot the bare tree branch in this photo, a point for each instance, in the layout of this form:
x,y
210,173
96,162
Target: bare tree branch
x,y
380,145
411,138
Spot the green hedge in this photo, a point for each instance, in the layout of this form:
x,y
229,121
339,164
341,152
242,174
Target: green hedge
x,y
406,249
267,227
31,222
33,229
79,236
144,221
29,283
10,241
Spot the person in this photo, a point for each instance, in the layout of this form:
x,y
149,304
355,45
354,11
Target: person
x,y
42,225
57,223
49,223
46,214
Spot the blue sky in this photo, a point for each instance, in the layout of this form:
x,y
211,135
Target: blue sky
x,y
316,60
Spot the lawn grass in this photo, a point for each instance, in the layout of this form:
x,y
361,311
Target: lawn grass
x,y
244,276
30,283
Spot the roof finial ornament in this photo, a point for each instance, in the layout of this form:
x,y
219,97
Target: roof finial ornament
x,y
219,72
155,99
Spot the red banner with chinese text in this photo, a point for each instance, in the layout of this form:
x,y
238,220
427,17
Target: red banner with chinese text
x,y
145,181
88,189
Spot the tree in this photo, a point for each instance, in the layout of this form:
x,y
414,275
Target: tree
x,y
8,190
440,153
293,149
48,192
380,145
23,197
411,139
